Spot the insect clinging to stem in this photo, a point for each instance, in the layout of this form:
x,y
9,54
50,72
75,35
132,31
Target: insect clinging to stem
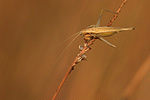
x,y
97,32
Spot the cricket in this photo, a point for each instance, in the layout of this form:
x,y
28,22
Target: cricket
x,y
97,32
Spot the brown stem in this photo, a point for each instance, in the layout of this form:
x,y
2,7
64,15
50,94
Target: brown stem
x,y
117,12
85,49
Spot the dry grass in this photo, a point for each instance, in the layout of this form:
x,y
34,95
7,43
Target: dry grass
x,y
137,79
31,29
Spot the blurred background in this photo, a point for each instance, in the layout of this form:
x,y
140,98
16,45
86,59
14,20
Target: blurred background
x,y
31,41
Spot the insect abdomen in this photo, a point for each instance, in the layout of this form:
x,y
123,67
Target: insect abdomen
x,y
104,31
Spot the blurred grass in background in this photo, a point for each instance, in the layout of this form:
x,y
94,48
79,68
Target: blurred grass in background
x,y
30,34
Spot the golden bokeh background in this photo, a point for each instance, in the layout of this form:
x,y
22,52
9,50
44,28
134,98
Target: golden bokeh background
x,y
31,36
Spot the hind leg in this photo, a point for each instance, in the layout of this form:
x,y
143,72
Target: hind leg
x,y
99,19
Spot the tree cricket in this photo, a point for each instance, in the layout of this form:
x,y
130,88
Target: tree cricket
x,y
97,32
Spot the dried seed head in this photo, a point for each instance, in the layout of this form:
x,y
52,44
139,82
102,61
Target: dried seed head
x,y
85,44
80,47
84,57
79,59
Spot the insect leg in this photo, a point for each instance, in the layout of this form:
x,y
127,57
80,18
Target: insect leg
x,y
99,19
100,38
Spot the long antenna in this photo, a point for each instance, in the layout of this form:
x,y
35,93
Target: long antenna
x,y
77,34
68,38
49,70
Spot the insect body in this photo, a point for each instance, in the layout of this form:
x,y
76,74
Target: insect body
x,y
96,32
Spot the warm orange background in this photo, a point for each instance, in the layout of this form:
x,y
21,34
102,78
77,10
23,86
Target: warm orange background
x,y
31,32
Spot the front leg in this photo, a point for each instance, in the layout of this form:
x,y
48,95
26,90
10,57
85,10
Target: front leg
x,y
88,37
